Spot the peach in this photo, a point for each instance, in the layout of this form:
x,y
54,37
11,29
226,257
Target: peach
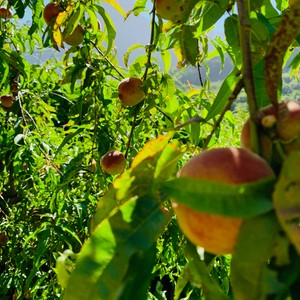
x,y
5,13
216,233
51,11
130,91
76,37
286,125
113,162
7,101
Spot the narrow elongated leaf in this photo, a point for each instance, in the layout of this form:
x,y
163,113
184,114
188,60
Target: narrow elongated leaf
x,y
189,44
130,49
94,20
139,275
67,139
249,262
105,266
116,6
223,95
111,31
243,201
73,21
287,198
212,12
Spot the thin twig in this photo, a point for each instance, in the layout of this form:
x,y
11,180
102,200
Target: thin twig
x,y
166,116
199,74
137,108
105,57
144,77
150,47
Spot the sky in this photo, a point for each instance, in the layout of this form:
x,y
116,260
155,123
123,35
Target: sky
x,y
133,30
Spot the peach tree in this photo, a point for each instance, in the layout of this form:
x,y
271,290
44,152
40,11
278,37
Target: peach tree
x,y
117,173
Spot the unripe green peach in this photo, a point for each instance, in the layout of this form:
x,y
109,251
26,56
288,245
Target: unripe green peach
x,y
130,91
216,233
76,37
113,162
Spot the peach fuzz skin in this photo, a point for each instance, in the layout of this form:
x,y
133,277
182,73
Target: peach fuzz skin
x,y
215,233
130,91
113,162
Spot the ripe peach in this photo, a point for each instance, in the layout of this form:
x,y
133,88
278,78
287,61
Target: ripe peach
x,y
7,101
113,162
216,233
5,13
76,37
287,127
51,11
130,91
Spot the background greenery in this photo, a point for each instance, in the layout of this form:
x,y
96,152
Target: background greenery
x,y
67,114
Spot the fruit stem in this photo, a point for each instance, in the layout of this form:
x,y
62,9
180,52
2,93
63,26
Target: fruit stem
x,y
136,111
247,74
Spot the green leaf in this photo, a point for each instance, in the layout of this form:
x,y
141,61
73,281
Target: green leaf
x,y
223,95
93,20
167,162
74,21
67,139
243,201
38,9
16,61
19,7
262,98
286,198
138,275
198,274
250,259
231,31
189,44
105,268
64,266
129,51
111,31
212,12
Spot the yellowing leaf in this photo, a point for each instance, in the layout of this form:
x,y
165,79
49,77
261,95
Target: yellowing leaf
x,y
287,198
151,148
116,6
62,18
57,35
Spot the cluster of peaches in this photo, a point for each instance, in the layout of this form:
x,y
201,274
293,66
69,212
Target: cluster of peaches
x,y
50,13
279,132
